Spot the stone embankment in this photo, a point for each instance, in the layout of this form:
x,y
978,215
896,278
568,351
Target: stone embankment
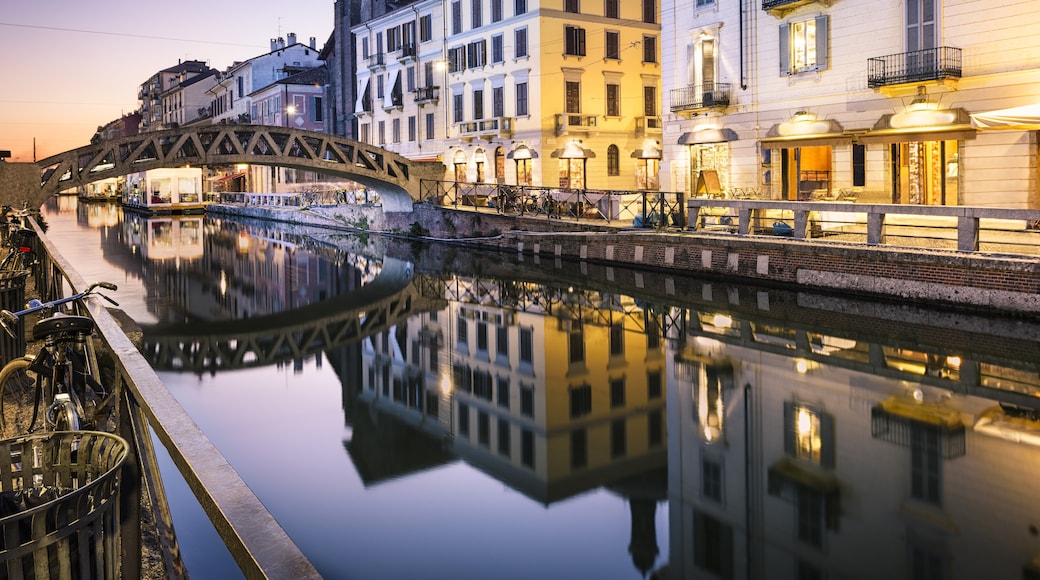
x,y
974,281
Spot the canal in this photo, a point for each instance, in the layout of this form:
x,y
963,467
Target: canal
x,y
424,411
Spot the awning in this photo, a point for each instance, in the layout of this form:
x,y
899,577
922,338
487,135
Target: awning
x,y
1025,118
927,125
806,133
578,153
707,136
646,154
522,152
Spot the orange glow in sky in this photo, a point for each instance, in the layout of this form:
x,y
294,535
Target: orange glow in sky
x,y
68,68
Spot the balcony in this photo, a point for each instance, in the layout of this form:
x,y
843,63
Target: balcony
x,y
486,129
941,65
648,126
567,123
692,100
425,95
780,8
408,53
377,61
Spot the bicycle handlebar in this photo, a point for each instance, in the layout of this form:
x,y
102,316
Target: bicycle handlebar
x,y
9,319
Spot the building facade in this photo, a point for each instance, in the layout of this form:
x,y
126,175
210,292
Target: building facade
x,y
150,94
801,100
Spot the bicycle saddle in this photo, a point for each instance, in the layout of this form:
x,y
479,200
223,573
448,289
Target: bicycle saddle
x,y
62,324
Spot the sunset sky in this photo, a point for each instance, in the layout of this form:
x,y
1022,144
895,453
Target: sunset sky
x,y
67,67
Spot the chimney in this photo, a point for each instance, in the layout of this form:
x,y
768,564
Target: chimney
x,y
274,44
291,37
314,43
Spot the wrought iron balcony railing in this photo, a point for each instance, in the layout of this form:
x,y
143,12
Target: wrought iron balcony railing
x,y
497,127
571,122
700,97
426,95
931,64
377,60
408,51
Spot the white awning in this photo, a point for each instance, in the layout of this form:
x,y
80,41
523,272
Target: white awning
x,y
1025,118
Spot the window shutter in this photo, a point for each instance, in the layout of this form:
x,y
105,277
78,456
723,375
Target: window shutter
x,y
785,50
691,65
789,428
827,443
821,42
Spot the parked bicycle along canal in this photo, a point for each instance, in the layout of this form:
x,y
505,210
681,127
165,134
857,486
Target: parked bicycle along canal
x,y
422,411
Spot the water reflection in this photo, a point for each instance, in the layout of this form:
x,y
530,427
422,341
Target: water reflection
x,y
743,432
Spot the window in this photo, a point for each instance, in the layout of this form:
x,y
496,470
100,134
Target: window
x,y
428,74
809,516
803,46
654,384
650,101
503,437
476,13
396,130
497,52
457,107
526,401
520,42
382,133
379,86
920,25
478,107
613,100
482,335
572,97
613,161
483,428
521,99
703,3
650,11
502,344
411,128
526,345
496,10
456,59
425,28
926,463
612,43
612,9
581,401
497,102
364,48
808,434
574,39
503,392
572,6
519,7
409,75
711,479
464,419
393,40
430,126
576,343
579,448
477,53
317,112
649,49
617,392
618,438
655,428
456,17
527,448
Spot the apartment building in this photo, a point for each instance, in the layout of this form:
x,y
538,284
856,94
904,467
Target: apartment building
x,y
399,81
187,100
854,100
151,92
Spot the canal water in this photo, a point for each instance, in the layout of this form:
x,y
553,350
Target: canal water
x,y
424,411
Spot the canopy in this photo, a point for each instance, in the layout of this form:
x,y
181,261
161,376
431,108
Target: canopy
x,y
1022,118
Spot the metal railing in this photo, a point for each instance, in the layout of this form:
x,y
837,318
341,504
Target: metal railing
x,y
700,96
641,209
959,228
258,543
941,62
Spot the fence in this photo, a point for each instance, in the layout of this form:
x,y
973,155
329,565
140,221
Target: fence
x,y
257,542
645,209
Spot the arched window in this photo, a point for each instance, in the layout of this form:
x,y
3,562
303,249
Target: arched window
x,y
613,160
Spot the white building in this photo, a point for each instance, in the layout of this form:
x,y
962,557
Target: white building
x,y
800,99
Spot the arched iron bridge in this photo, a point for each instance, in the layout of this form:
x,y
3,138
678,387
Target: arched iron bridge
x,y
213,145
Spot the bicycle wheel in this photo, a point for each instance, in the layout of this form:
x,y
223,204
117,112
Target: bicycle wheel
x,y
61,416
19,402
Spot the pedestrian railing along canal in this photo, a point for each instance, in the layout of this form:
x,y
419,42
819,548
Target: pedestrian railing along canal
x,y
959,228
637,208
258,543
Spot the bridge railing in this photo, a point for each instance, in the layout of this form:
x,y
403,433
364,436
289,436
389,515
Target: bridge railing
x,y
646,209
962,228
259,545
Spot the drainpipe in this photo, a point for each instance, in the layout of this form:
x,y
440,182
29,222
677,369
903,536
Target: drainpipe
x,y
743,80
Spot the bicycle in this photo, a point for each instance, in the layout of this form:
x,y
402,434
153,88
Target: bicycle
x,y
65,371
